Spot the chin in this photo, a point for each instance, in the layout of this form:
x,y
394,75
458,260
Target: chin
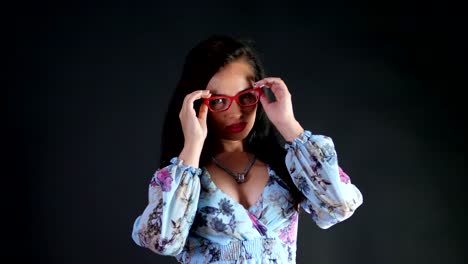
x,y
236,136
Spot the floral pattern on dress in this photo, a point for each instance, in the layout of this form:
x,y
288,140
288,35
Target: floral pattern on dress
x,y
188,217
162,178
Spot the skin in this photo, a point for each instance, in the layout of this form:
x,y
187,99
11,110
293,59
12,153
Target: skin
x,y
229,148
230,80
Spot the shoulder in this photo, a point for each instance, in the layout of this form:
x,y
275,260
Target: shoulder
x,y
260,163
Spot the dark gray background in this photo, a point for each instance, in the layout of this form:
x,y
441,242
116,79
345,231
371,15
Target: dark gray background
x,y
92,81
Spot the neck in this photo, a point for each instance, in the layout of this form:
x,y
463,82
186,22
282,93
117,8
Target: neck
x,y
228,146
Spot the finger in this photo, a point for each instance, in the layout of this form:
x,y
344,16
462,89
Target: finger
x,y
268,81
274,83
195,95
203,113
277,85
264,100
190,98
188,105
204,96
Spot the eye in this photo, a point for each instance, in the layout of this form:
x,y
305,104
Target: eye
x,y
218,101
248,98
218,104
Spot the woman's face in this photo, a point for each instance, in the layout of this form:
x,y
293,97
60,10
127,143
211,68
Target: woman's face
x,y
236,122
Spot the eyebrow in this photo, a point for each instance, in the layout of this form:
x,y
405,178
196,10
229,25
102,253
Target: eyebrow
x,y
250,87
250,78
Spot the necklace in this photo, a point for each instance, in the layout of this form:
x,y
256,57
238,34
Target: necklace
x,y
239,177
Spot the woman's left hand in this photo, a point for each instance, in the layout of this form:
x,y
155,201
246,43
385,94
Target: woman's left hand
x,y
280,112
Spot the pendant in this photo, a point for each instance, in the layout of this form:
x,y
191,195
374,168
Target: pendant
x,y
240,178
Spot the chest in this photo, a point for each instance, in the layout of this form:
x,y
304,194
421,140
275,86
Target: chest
x,y
246,193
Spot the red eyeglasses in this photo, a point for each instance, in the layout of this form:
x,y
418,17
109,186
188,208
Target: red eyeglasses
x,y
245,98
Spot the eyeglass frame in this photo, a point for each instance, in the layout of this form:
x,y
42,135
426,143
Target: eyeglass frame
x,y
233,98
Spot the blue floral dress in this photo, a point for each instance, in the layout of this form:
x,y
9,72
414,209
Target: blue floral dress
x,y
188,217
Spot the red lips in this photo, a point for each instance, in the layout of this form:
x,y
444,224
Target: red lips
x,y
236,127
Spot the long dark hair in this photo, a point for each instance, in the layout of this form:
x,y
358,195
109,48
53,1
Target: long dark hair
x,y
201,63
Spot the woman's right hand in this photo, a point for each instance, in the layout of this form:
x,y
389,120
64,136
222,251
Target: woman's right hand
x,y
194,128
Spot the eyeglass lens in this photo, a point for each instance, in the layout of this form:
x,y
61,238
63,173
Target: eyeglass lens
x,y
245,99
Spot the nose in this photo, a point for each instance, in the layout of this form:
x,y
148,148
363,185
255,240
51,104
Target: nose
x,y
235,110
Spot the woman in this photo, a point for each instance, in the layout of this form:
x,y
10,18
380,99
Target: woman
x,y
237,167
